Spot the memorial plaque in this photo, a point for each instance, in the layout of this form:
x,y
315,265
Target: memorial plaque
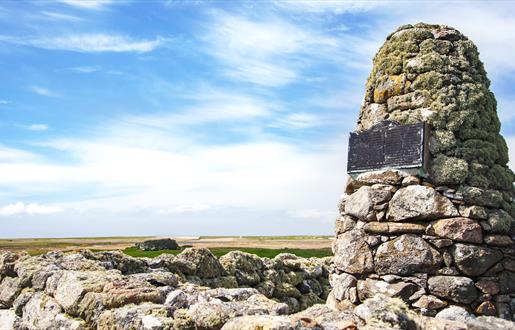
x,y
388,145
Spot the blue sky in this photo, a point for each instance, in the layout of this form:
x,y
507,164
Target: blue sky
x,y
199,117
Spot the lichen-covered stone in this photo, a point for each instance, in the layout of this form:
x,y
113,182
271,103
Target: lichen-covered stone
x,y
143,316
246,267
344,287
205,263
455,313
473,260
419,203
488,286
498,240
352,253
369,288
252,322
8,319
392,228
433,73
507,282
344,224
361,203
500,221
406,255
481,197
454,288
448,170
486,308
43,312
429,303
473,212
458,229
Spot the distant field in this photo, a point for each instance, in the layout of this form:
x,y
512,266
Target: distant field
x,y
265,246
268,253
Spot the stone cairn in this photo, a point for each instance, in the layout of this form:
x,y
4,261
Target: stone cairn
x,y
444,236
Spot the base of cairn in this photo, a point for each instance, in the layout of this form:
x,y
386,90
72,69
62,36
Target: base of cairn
x,y
431,246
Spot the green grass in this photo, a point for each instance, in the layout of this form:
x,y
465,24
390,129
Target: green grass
x,y
270,238
268,253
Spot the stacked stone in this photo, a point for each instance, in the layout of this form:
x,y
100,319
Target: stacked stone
x,y
443,236
193,290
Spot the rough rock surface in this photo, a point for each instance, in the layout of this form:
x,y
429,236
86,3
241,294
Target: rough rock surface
x,y
474,260
457,229
353,254
193,290
419,203
406,255
454,288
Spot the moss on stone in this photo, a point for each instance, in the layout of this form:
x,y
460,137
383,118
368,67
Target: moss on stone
x,y
448,170
443,64
441,141
500,177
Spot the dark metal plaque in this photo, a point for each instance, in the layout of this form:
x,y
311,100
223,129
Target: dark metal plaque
x,y
388,145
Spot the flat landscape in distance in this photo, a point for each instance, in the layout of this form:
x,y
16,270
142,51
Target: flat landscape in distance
x,y
264,246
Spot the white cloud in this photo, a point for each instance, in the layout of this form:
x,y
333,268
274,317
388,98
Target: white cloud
x,y
5,102
315,214
28,209
269,52
87,4
138,167
298,121
327,6
43,91
8,154
88,43
86,69
188,208
35,127
60,16
210,105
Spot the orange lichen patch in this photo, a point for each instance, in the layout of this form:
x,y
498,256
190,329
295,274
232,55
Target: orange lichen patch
x,y
391,86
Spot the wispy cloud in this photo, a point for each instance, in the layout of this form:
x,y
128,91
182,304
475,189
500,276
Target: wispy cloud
x,y
87,4
328,6
86,69
208,105
8,154
35,127
187,208
138,166
43,91
298,121
28,209
60,16
313,214
88,43
5,102
269,52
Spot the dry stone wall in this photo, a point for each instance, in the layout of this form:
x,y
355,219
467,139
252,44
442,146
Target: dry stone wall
x,y
193,290
444,237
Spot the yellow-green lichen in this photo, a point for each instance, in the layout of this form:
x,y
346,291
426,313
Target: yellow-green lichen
x,y
443,65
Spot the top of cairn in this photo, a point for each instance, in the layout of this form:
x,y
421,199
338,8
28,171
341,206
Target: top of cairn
x,y
432,73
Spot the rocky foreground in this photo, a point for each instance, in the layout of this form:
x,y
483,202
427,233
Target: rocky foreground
x,y
194,290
